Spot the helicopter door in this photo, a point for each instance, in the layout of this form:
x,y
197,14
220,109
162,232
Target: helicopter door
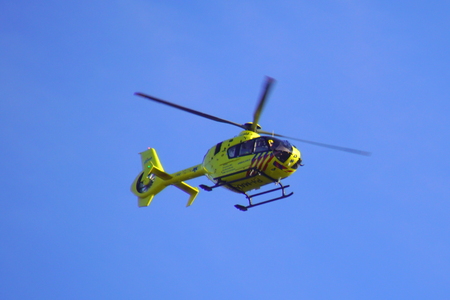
x,y
248,147
233,151
261,145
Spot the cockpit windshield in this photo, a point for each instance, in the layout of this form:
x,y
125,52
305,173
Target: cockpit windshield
x,y
281,148
280,145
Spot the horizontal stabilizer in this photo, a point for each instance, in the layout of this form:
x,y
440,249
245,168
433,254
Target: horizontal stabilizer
x,y
192,191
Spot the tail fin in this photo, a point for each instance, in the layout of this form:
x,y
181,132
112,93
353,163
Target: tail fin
x,y
153,179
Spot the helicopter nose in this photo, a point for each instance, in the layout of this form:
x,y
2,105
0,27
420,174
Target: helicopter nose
x,y
296,156
297,164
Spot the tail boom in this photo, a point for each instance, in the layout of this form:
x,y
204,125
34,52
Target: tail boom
x,y
153,179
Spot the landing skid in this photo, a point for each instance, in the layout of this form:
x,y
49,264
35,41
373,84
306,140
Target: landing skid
x,y
249,198
254,172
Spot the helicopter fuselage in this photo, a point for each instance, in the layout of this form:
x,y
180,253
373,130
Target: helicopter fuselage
x,y
241,164
249,161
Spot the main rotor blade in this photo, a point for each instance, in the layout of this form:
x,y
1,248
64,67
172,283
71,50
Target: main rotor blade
x,y
189,110
354,151
262,102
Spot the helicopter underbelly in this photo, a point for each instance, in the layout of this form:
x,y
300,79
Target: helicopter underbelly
x,y
248,184
249,172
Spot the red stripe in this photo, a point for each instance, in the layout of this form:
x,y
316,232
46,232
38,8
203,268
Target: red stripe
x,y
263,160
258,161
268,161
254,162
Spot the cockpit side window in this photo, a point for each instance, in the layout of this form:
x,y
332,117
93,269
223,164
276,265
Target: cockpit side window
x,y
261,145
247,148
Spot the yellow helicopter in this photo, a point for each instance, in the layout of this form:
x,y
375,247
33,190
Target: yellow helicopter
x,y
246,162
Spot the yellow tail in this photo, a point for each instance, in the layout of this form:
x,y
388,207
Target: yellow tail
x,y
153,179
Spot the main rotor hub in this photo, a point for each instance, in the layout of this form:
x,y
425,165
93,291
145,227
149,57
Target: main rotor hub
x,y
248,126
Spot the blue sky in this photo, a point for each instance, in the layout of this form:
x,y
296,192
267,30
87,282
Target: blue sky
x,y
371,75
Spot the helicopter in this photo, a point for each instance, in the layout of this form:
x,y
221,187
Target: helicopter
x,y
244,163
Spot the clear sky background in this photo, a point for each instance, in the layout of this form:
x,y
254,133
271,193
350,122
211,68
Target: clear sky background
x,y
372,75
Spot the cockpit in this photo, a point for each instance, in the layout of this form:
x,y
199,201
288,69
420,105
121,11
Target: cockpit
x,y
282,149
